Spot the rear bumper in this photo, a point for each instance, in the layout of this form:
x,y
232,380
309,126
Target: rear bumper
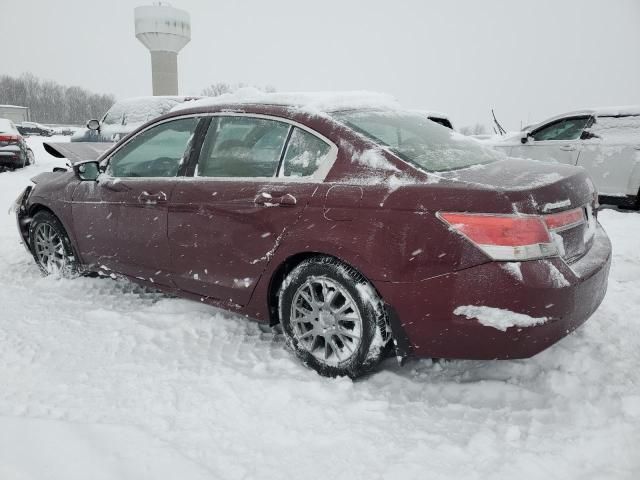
x,y
10,157
425,309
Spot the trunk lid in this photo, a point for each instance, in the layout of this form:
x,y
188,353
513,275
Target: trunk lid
x,y
540,188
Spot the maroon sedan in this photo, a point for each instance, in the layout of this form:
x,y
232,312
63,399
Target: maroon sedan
x,y
360,231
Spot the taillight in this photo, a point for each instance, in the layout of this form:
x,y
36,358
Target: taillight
x,y
566,219
9,138
504,237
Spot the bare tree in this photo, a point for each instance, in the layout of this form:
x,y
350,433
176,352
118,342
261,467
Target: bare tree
x,y
50,102
220,88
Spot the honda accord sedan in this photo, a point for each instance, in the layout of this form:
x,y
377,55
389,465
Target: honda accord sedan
x,y
362,230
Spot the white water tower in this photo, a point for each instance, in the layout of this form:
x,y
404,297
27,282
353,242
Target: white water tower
x,y
164,30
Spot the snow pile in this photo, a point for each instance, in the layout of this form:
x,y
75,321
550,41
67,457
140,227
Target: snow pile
x,y
310,101
498,318
104,380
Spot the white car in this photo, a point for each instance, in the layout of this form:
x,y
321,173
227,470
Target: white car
x,y
605,141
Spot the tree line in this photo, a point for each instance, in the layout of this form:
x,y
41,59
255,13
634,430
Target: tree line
x,y
50,102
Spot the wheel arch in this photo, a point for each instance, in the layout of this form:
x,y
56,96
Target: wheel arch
x,y
290,263
36,207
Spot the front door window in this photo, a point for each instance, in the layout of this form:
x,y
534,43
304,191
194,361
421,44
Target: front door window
x,y
157,152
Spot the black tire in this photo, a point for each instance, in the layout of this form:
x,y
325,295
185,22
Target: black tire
x,y
31,158
373,331
45,221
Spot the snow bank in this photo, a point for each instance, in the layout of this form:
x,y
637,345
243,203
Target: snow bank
x,y
498,318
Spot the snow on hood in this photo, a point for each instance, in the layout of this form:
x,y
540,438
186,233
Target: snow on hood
x,y
312,101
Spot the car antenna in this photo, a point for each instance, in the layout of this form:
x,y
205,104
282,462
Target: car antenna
x,y
495,120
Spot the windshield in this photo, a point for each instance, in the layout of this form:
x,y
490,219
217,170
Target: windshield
x,y
418,140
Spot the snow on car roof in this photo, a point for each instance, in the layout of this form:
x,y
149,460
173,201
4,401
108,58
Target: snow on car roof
x,y
141,109
433,113
314,101
622,110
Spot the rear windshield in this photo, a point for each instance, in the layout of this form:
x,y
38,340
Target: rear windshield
x,y
418,140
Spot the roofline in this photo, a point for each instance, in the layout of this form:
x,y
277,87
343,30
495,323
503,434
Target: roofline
x,y
621,111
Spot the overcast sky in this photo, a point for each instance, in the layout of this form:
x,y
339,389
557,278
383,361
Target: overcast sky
x,y
527,59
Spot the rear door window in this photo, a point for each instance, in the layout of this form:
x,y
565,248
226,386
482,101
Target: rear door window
x,y
566,129
617,129
242,147
305,154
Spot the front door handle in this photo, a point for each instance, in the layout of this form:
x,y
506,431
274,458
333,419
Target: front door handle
x,y
568,148
147,198
267,200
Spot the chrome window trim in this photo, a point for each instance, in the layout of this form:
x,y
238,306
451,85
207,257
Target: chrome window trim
x,y
319,175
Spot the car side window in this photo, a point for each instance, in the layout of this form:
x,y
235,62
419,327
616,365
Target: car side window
x,y
156,152
242,147
305,154
567,129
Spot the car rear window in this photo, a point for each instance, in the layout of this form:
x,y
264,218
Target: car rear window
x,y
418,140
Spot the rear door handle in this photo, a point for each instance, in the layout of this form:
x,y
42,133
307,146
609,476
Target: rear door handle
x,y
568,148
147,198
268,200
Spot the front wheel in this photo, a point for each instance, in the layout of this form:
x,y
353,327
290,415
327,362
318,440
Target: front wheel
x,y
51,246
332,318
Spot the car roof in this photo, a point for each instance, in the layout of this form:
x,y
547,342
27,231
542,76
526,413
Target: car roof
x,y
619,111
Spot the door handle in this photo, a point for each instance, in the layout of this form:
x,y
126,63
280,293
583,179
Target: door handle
x,y
147,198
267,200
568,148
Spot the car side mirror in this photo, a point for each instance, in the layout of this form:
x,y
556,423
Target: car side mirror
x,y
87,171
587,135
93,125
525,138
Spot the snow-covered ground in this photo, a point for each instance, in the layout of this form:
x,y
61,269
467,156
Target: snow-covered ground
x,y
101,380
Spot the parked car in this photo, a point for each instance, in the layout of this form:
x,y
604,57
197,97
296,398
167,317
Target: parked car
x,y
14,151
349,227
125,116
605,141
33,128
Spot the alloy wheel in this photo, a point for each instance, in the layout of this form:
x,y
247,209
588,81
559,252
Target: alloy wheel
x,y
326,321
49,249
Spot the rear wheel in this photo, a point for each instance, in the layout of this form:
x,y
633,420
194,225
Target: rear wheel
x,y
332,318
31,158
51,246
